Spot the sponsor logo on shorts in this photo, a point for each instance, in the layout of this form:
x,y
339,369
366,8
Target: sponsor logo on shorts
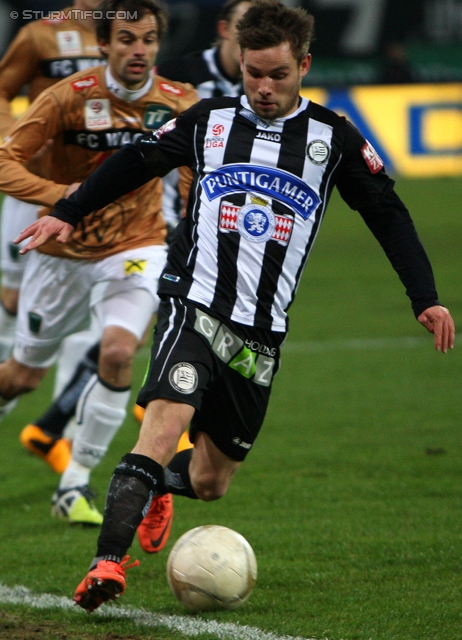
x,y
35,322
251,359
13,250
134,266
183,377
241,443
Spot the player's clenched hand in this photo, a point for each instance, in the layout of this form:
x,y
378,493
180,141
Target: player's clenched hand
x,y
42,230
438,321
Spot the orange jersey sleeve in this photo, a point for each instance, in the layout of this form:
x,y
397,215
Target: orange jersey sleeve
x,y
18,66
42,122
87,123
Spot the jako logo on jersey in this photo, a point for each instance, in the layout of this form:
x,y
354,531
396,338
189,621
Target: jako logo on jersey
x,y
217,129
271,183
372,158
168,88
267,135
84,83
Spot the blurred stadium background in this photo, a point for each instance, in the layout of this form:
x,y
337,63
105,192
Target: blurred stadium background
x,y
363,49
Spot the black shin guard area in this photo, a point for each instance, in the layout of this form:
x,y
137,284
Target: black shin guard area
x,y
176,475
135,480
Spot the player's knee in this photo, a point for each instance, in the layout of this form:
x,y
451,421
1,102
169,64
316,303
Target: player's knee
x,y
117,355
10,298
209,488
29,380
17,379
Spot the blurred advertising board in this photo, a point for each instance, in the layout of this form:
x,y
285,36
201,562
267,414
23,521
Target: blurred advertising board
x,y
416,129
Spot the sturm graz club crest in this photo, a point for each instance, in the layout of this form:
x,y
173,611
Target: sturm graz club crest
x,y
256,223
318,152
183,377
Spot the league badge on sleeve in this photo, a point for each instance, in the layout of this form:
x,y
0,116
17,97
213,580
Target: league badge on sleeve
x,y
372,158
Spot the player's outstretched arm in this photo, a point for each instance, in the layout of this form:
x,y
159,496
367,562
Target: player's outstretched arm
x,y
438,321
42,230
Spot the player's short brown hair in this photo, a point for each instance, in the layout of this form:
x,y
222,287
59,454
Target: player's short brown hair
x,y
268,23
107,9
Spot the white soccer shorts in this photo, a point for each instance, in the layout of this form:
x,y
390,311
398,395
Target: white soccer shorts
x,y
58,295
15,216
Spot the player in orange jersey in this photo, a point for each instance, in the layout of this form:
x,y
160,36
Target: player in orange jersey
x,y
43,52
112,263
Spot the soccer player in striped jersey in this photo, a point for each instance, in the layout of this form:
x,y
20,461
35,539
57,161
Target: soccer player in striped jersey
x,y
215,72
264,166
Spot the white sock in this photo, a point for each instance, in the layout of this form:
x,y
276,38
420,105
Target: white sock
x,y
71,353
75,475
100,413
7,333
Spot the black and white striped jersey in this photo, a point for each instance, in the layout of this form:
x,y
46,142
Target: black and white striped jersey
x,y
203,70
258,196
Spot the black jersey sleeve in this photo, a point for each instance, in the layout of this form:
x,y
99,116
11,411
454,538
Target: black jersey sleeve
x,y
373,195
153,155
355,181
391,224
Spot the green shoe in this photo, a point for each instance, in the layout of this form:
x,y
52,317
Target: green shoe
x,y
76,506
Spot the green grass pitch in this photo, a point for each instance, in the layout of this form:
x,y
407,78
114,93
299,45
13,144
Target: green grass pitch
x,y
352,496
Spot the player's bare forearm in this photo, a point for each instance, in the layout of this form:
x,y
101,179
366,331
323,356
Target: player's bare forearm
x,y
42,230
438,321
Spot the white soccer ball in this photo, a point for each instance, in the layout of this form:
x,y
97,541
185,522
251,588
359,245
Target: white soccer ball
x,y
211,567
